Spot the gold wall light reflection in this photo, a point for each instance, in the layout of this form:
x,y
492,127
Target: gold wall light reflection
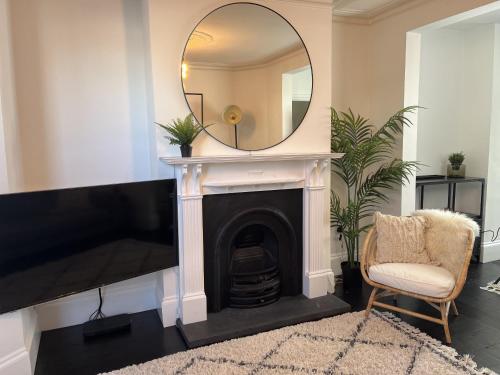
x,y
184,70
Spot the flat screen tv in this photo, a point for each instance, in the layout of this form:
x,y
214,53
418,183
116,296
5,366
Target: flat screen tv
x,y
59,242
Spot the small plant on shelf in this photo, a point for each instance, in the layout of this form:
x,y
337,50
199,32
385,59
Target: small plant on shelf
x,y
456,159
183,132
456,168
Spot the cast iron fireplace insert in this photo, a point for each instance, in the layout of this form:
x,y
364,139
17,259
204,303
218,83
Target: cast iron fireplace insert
x,y
252,248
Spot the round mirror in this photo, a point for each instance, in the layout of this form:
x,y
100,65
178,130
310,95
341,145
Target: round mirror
x,y
246,73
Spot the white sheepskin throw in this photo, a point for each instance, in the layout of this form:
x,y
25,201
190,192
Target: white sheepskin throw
x,y
447,237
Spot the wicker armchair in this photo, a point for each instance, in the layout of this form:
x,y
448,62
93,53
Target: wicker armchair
x,y
456,265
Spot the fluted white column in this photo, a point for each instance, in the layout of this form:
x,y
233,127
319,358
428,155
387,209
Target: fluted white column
x,y
193,301
317,270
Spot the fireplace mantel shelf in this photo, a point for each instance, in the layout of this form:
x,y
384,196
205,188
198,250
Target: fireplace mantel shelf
x,y
257,182
246,158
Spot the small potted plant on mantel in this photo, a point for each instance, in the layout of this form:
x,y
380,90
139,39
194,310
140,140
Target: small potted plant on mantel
x,y
456,168
183,132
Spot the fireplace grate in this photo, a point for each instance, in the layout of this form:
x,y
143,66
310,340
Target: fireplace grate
x,y
255,278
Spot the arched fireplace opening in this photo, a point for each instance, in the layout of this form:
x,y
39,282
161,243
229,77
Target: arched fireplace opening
x,y
252,248
254,272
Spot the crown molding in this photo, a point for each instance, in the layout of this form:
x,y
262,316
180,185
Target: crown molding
x,y
365,14
351,20
311,3
368,18
401,8
321,2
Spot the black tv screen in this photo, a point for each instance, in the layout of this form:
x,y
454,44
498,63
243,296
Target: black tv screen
x,y
59,242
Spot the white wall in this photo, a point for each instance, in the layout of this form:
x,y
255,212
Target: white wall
x,y
492,248
351,73
4,174
493,217
455,90
441,87
80,84
9,139
475,111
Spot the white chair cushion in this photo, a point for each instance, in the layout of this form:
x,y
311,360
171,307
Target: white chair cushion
x,y
425,279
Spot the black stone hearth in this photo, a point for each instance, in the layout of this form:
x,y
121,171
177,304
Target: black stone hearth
x,y
252,248
233,323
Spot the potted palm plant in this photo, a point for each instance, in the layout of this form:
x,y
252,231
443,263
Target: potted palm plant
x,y
183,132
367,172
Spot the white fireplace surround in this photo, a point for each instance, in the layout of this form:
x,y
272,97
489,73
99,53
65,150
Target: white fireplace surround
x,y
199,176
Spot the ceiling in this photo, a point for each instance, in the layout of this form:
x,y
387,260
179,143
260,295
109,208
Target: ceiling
x,y
364,8
239,35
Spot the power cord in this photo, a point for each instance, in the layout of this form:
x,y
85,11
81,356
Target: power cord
x,y
98,314
494,235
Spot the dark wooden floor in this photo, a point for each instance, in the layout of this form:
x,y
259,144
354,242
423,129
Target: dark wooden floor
x,y
476,331
64,351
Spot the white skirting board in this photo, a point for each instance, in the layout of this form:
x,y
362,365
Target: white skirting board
x,y
490,252
19,342
129,296
335,261
167,293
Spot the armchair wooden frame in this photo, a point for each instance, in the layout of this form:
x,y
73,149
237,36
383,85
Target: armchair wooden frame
x,y
441,304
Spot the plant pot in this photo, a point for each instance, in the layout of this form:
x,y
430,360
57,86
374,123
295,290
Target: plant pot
x,y
351,277
186,151
456,171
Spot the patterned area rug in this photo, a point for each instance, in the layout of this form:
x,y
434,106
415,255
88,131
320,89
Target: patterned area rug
x,y
345,344
492,286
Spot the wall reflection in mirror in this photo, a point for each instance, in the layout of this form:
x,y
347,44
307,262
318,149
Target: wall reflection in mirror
x,y
246,71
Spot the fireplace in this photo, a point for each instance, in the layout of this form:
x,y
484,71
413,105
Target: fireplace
x,y
252,248
261,208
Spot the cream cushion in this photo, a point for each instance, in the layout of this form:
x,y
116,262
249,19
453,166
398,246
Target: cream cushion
x,y
401,239
425,279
